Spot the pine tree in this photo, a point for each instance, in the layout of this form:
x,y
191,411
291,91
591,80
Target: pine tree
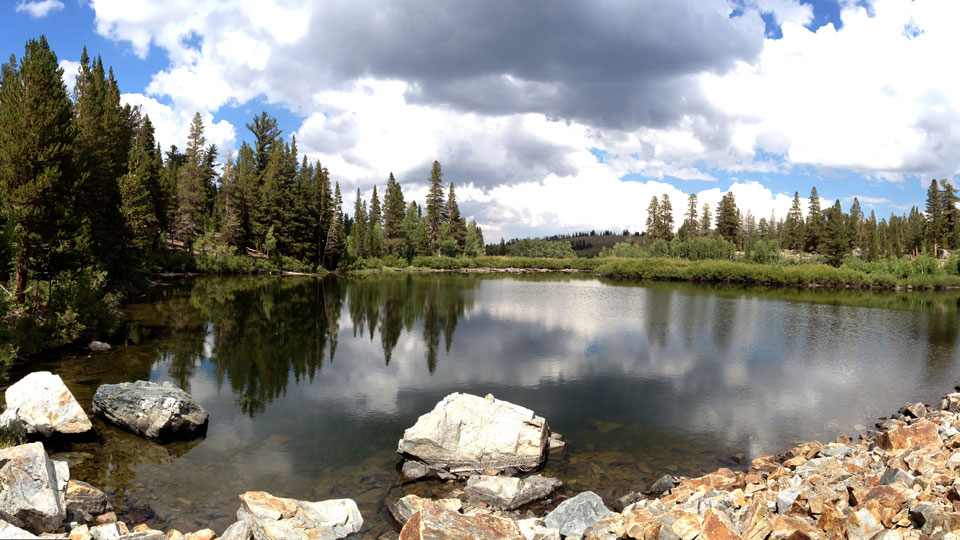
x,y
435,206
706,220
457,227
192,191
666,219
815,225
139,188
332,246
393,216
375,227
935,223
358,232
265,134
951,214
855,225
36,155
836,243
728,219
871,240
653,220
692,218
411,227
793,226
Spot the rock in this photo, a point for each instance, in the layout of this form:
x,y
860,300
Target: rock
x,y
534,529
862,525
411,504
437,524
604,529
98,346
9,531
793,528
663,484
574,515
45,406
917,410
240,530
157,411
415,470
506,493
109,517
895,474
276,518
717,526
921,433
202,534
469,433
83,497
623,502
785,500
110,531
80,532
32,495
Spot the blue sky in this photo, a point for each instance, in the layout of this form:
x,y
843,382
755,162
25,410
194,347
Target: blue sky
x,y
574,124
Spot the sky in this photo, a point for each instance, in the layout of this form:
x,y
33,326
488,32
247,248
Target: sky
x,y
550,117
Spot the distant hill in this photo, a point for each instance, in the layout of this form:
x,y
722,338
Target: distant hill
x,y
585,244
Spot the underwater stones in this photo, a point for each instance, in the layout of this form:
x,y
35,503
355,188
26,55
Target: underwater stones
x,y
32,494
44,405
437,524
156,411
469,433
508,493
277,518
574,515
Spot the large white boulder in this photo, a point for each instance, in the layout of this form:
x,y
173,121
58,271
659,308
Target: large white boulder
x,y
32,488
277,518
44,405
470,433
157,411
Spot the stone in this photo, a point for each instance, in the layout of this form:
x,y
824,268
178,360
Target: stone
x,y
794,528
109,517
240,530
99,346
277,518
534,529
32,494
895,474
917,410
45,406
574,515
862,525
156,411
10,531
80,532
110,531
507,493
921,433
663,484
717,526
469,433
409,505
785,499
415,470
202,534
150,534
83,497
437,524
604,529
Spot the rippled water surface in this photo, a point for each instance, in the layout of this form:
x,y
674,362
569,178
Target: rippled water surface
x,y
310,382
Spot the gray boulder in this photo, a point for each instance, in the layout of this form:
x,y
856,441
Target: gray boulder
x,y
276,518
157,411
574,515
84,498
240,530
99,346
506,493
44,405
470,433
32,488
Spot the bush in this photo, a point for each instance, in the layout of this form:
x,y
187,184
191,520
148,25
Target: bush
x,y
702,248
765,252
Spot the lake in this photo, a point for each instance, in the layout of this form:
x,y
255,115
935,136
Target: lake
x,y
310,382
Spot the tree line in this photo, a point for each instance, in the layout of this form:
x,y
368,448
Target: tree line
x,y
831,232
85,186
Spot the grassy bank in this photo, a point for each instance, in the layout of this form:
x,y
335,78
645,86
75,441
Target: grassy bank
x,y
853,274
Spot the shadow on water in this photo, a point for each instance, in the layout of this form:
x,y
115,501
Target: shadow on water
x,y
310,382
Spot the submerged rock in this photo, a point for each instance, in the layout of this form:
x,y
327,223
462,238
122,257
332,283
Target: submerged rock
x,y
574,515
506,493
33,486
437,524
157,411
44,405
277,518
469,433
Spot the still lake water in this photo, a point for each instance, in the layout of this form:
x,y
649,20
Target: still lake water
x,y
310,382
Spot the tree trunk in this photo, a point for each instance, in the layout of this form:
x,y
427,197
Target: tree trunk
x,y
20,285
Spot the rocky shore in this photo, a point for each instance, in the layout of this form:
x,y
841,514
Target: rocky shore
x,y
900,481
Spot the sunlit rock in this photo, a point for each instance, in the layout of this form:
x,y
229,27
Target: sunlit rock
x,y
921,433
277,518
14,533
469,433
83,497
45,406
157,411
33,486
508,493
437,524
409,505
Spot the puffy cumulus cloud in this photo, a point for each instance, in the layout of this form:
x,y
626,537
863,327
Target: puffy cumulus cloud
x,y
172,125
70,71
38,9
872,96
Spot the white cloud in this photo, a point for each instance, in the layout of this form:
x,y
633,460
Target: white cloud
x,y
39,9
70,71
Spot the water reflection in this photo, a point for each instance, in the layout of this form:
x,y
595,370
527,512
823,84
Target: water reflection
x,y
309,382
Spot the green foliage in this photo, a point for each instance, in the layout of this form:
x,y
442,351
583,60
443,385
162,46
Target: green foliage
x,y
500,262
765,252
